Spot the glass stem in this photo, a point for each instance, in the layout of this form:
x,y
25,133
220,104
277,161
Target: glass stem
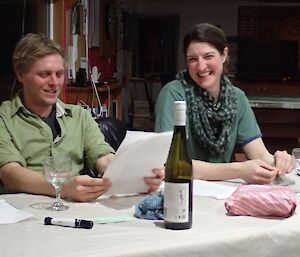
x,y
57,195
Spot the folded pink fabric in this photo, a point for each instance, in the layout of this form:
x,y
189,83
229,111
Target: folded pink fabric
x,y
262,201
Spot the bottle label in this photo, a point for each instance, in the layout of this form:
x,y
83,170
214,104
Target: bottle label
x,y
176,202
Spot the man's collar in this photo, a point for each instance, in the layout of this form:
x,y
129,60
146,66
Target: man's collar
x,y
16,105
61,108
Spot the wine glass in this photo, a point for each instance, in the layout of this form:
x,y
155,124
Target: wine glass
x,y
57,170
296,155
284,180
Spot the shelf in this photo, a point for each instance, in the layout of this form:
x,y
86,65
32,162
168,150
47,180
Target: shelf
x,y
109,94
269,87
100,88
275,102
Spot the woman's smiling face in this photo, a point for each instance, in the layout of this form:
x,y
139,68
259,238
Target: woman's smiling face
x,y
205,65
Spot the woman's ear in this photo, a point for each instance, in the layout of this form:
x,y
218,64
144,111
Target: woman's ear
x,y
225,54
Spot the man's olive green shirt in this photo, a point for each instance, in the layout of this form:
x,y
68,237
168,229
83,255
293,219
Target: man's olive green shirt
x,y
26,139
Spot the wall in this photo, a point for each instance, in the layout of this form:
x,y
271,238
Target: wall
x,y
223,13
11,29
190,12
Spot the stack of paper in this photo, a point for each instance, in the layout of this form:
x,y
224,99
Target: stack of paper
x,y
138,154
10,214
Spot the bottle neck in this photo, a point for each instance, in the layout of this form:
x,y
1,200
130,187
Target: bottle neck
x,y
179,130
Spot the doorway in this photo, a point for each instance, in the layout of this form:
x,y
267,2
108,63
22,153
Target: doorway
x,y
155,53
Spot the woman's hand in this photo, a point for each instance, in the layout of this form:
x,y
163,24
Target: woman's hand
x,y
154,182
258,172
284,162
85,188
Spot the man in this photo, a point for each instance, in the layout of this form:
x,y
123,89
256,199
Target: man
x,y
36,124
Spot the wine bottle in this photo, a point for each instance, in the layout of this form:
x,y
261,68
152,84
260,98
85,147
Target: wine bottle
x,y
178,192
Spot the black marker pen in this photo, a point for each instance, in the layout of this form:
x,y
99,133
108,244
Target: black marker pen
x,y
74,223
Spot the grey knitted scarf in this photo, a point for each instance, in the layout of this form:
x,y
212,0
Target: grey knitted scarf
x,y
211,122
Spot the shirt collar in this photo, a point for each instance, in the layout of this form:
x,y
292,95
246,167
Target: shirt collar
x,y
61,108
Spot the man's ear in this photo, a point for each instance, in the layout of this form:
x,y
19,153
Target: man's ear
x,y
19,76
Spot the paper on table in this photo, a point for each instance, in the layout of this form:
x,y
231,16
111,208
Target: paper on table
x,y
9,214
212,189
138,154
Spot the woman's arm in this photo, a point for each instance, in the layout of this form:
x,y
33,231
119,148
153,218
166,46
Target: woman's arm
x,y
283,161
252,171
256,149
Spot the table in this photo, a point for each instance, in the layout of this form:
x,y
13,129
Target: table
x,y
214,233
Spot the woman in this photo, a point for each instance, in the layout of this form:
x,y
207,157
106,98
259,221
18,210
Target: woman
x,y
218,115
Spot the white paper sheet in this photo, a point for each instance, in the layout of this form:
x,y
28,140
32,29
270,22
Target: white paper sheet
x,y
212,189
138,154
9,214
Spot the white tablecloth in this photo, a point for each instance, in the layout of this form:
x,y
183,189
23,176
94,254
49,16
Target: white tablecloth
x,y
214,233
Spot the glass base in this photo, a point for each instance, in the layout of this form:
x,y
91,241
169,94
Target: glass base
x,y
283,181
40,206
57,207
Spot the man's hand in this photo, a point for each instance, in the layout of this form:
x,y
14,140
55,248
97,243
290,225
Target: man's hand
x,y
154,182
85,188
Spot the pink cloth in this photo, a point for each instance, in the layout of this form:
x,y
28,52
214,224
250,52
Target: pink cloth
x,y
262,201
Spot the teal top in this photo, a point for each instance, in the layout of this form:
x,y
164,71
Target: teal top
x,y
26,139
245,127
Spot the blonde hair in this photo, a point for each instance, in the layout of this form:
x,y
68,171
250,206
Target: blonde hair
x,y
32,47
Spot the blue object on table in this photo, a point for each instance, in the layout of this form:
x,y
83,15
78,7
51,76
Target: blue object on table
x,y
150,207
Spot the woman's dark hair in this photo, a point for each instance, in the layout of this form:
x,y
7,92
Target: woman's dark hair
x,y
208,33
